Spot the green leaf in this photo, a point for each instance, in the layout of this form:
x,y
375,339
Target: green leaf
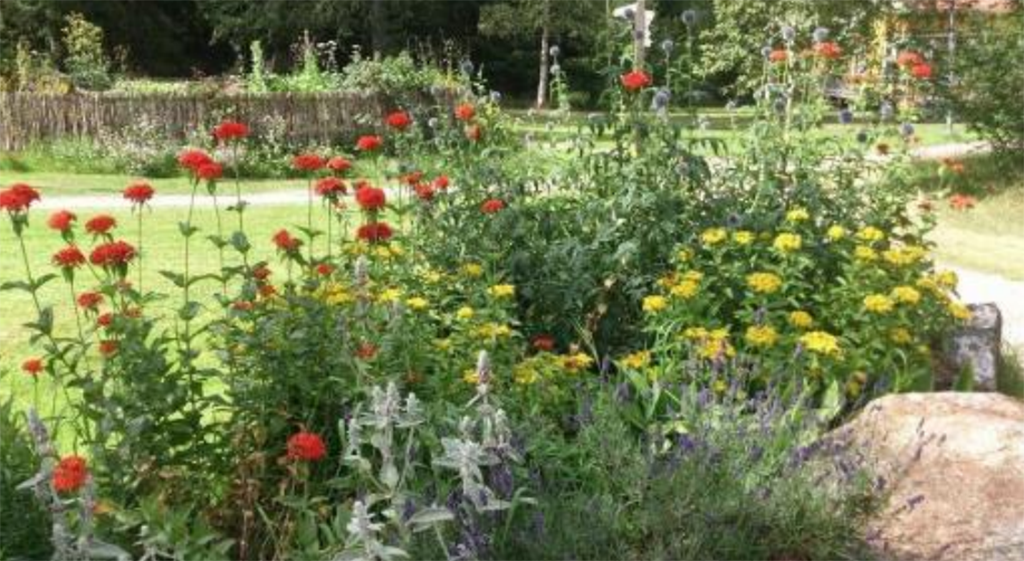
x,y
187,229
16,285
177,278
240,242
425,518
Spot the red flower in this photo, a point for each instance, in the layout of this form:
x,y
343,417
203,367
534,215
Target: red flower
x,y
492,206
959,201
399,120
366,351
100,224
635,81
474,132
267,290
112,254
69,258
412,178
339,165
285,242
307,162
324,269
465,112
70,473
441,182
90,300
230,130
306,446
194,159
778,55
544,343
371,198
424,192
18,197
210,171
908,59
374,232
139,192
828,50
108,348
955,167
242,305
921,71
882,148
261,273
105,319
32,366
369,143
330,187
61,220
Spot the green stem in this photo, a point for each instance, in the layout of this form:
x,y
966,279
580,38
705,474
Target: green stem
x,y
140,248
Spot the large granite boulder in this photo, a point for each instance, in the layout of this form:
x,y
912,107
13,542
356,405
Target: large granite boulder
x,y
953,469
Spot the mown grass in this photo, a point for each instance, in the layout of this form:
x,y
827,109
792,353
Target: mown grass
x,y
64,183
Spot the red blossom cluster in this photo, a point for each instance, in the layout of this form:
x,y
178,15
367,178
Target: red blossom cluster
x,y
108,348
635,81
70,473
374,232
69,258
61,220
778,55
543,342
492,206
369,143
100,224
90,301
398,120
330,187
960,201
306,446
230,130
828,50
286,242
370,198
192,160
339,165
465,112
211,171
18,198
914,63
139,192
112,254
33,366
308,162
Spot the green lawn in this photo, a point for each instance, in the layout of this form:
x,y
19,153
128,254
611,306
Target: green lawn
x,y
63,183
989,237
162,249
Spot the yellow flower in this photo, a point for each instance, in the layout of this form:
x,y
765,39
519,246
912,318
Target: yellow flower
x,y
865,253
465,313
947,279
761,335
765,283
694,276
472,270
719,386
654,304
870,234
713,236
417,303
797,215
471,376
493,330
800,319
390,295
335,294
820,342
715,344
787,243
878,303
959,311
667,281
502,291
382,252
904,256
636,360
906,295
743,237
684,255
836,233
695,333
685,290
431,276
577,361
524,374
900,336
443,344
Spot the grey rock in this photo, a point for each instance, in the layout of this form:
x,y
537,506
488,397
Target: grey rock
x,y
978,344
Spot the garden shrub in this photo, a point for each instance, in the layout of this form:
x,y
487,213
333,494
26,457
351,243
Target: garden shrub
x,y
26,525
87,64
989,71
492,346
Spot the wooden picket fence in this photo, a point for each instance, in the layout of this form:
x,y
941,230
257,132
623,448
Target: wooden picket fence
x,y
325,117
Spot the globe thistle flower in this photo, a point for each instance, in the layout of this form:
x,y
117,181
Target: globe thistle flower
x,y
661,99
555,69
668,46
862,136
495,96
766,51
689,18
820,34
845,116
886,111
780,105
554,51
466,66
788,33
906,129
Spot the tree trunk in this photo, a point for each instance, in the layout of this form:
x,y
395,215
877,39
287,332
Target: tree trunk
x,y
542,81
639,34
378,36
